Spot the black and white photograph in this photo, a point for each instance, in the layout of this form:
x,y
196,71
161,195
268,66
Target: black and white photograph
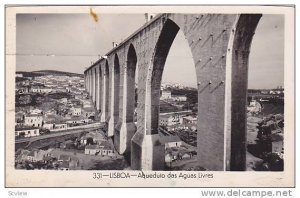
x,y
141,92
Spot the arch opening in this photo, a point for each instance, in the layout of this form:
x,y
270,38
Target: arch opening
x,y
96,89
130,81
100,82
106,88
93,87
116,88
178,108
91,84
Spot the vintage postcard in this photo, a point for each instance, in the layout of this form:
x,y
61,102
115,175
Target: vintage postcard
x,y
150,96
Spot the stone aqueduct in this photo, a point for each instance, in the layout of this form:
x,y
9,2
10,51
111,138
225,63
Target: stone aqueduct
x,y
220,46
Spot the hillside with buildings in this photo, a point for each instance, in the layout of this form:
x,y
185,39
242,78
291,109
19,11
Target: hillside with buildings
x,y
51,102
46,72
53,108
265,129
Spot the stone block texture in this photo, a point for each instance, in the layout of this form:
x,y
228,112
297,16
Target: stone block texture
x,y
220,46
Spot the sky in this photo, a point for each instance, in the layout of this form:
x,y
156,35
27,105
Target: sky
x,y
71,42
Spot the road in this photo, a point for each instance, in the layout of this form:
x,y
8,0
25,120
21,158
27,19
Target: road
x,y
57,134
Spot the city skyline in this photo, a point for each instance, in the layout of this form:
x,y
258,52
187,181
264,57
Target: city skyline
x,y
38,37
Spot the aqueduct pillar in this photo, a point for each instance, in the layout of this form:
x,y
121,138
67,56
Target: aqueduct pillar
x,y
89,82
97,97
114,97
105,92
126,127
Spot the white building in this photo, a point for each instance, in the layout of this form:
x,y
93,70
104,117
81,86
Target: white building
x,y
86,104
190,119
48,126
60,126
170,119
254,107
33,120
27,132
19,75
179,98
75,111
37,89
46,90
35,111
165,94
103,149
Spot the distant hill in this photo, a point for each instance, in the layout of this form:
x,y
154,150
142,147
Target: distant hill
x,y
48,72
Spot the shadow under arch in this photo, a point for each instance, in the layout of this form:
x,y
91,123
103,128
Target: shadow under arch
x,y
96,89
106,84
100,88
116,88
130,77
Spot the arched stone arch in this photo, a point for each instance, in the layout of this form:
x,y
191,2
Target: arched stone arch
x,y
98,89
115,93
147,150
90,83
131,68
95,86
106,74
209,46
100,83
85,80
126,128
